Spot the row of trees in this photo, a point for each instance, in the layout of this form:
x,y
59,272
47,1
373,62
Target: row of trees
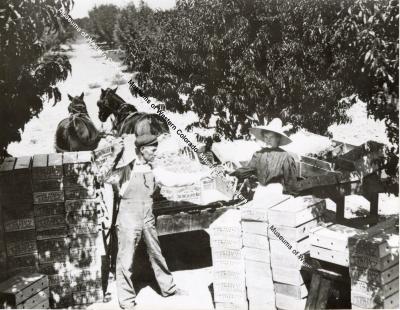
x,y
101,23
27,74
248,61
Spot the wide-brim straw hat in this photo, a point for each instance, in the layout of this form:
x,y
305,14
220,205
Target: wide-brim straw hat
x,y
274,126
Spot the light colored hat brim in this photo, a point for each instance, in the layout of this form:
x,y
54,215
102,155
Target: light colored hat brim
x,y
129,151
259,132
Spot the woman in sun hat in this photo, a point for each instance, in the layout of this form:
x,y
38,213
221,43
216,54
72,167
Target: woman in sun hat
x,y
274,167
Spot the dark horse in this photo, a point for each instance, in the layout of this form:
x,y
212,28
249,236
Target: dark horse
x,y
77,132
127,119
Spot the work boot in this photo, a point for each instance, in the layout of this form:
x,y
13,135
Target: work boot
x,y
129,307
178,292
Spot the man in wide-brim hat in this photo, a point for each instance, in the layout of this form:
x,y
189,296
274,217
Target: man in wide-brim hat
x,y
274,167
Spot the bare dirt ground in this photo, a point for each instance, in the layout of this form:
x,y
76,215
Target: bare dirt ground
x,y
190,262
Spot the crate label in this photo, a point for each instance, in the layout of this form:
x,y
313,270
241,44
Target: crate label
x,y
52,233
20,224
84,241
47,209
88,228
47,172
80,217
21,247
227,254
80,205
43,197
44,185
49,222
53,244
80,193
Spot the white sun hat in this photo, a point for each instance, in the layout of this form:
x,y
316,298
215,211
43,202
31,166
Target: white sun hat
x,y
274,126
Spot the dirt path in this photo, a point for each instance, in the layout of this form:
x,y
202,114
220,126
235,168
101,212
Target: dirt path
x,y
90,73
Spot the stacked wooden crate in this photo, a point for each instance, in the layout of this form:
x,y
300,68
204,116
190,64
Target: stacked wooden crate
x,y
81,213
329,242
374,267
228,263
3,253
17,214
289,225
25,291
48,195
51,228
256,248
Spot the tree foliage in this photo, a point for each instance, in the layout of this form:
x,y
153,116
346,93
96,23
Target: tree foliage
x,y
102,20
248,61
368,33
27,73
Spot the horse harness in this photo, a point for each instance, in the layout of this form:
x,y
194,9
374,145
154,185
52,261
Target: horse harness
x,y
122,113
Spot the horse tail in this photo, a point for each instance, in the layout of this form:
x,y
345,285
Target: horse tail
x,y
71,128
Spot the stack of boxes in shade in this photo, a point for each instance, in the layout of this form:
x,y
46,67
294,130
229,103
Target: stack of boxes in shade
x,y
289,226
47,174
374,267
228,264
25,291
3,254
330,243
81,208
17,215
51,229
257,255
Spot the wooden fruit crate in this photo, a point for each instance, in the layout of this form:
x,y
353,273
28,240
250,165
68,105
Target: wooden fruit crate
x,y
296,291
20,288
47,166
15,183
297,211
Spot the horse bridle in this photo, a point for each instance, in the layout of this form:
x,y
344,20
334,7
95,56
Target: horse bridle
x,y
116,111
107,104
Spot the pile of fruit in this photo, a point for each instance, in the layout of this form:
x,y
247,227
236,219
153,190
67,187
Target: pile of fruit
x,y
179,168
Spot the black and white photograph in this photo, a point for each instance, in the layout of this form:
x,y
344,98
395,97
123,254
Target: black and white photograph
x,y
199,154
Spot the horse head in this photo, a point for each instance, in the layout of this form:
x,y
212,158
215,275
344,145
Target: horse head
x,y
77,105
109,103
